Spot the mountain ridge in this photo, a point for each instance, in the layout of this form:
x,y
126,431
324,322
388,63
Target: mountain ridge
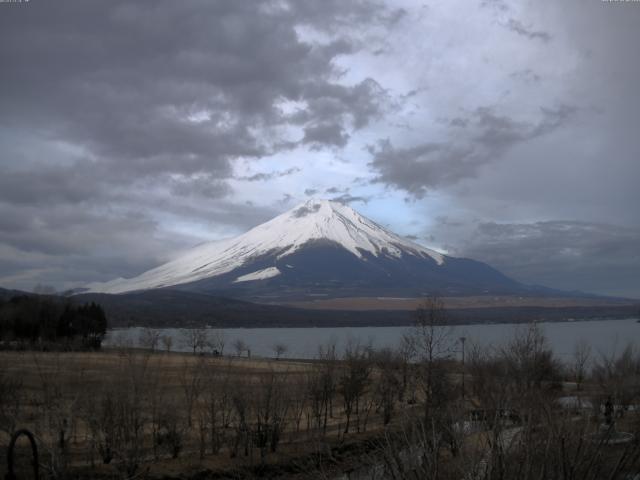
x,y
314,220
318,248
167,308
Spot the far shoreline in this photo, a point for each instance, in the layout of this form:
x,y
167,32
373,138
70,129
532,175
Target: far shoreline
x,y
408,324
299,318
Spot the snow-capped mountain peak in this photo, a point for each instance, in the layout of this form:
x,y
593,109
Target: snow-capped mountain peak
x,y
312,221
333,221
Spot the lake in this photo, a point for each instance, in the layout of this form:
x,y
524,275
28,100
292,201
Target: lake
x,y
604,336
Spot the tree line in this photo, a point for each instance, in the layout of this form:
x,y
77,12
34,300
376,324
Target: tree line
x,y
35,321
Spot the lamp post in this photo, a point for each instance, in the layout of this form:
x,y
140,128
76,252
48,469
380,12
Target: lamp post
x,y
462,340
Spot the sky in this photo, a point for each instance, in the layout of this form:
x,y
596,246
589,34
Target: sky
x,y
506,132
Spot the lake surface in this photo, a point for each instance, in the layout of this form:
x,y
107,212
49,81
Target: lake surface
x,y
604,336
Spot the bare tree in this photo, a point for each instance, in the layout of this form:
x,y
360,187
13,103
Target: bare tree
x,y
131,399
158,397
116,413
618,376
328,379
354,379
217,413
60,381
514,385
388,382
580,362
11,399
171,430
167,342
431,342
411,451
279,349
316,395
268,407
216,343
240,347
192,384
241,396
195,338
404,356
431,338
298,395
530,358
149,338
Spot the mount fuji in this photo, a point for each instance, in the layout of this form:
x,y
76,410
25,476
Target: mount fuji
x,y
320,248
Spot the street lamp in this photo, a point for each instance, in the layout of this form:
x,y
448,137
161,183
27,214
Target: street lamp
x,y
462,340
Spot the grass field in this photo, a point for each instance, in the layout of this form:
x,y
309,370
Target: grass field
x,y
129,413
170,394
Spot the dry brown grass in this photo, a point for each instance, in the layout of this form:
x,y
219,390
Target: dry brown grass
x,y
73,379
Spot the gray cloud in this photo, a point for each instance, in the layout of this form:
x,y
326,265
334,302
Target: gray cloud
x,y
436,164
61,246
47,186
142,98
519,28
347,198
459,122
200,186
125,128
563,254
325,134
330,102
500,5
110,108
285,200
304,210
261,177
526,75
205,95
64,247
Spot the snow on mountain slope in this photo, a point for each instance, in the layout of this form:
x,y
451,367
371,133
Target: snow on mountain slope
x,y
283,235
259,275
